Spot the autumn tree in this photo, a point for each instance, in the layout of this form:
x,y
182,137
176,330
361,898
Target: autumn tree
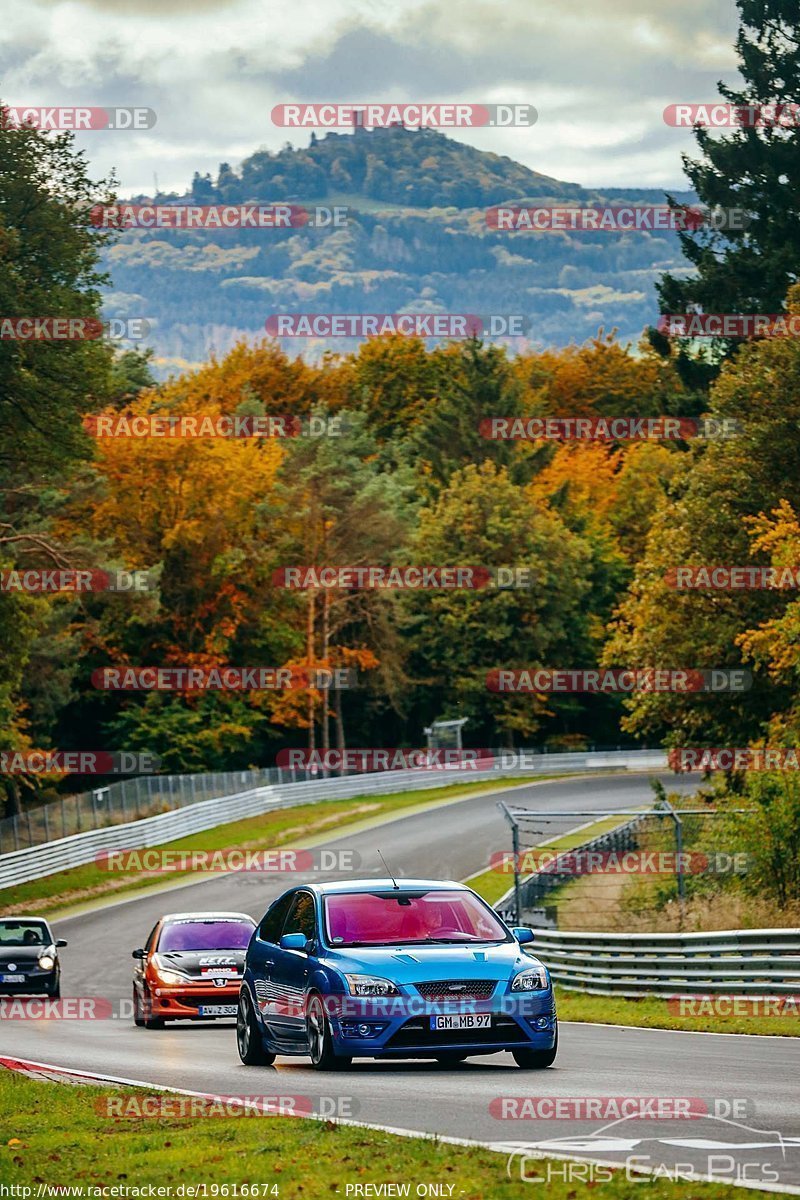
x,y
483,519
337,506
49,258
707,519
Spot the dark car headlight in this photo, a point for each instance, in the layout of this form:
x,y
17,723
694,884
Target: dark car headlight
x,y
532,979
47,962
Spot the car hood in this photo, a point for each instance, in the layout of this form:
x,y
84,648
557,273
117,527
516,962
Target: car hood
x,y
23,954
418,963
204,964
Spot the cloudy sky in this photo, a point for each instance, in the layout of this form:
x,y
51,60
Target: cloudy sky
x,y
599,73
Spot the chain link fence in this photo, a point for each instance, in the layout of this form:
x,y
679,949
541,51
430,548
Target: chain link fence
x,y
619,870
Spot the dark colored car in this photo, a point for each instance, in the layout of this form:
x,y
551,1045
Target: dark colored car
x,y
190,968
29,957
376,969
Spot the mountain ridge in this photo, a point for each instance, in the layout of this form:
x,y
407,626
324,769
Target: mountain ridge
x,y
415,240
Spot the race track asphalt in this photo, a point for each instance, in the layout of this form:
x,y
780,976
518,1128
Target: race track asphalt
x,y
755,1142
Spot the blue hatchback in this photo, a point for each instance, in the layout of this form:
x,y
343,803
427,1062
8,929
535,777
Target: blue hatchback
x,y
379,969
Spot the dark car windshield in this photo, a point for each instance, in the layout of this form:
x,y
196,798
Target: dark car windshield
x,y
24,933
390,918
205,935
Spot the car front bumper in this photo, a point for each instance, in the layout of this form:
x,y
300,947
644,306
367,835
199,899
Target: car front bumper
x,y
368,1028
186,1003
33,983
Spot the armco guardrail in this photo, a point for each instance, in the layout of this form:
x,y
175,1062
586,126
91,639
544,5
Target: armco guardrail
x,y
19,866
146,795
750,962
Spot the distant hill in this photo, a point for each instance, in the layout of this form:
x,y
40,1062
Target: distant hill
x,y
416,168
416,240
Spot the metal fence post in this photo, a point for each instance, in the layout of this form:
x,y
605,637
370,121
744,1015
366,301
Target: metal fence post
x,y
517,894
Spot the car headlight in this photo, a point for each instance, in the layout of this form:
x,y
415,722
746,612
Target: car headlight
x,y
370,985
530,981
171,978
47,962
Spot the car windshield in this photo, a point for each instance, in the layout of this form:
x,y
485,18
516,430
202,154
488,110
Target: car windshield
x,y
205,935
24,933
391,918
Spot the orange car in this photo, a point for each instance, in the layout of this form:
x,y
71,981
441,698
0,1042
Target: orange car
x,y
190,968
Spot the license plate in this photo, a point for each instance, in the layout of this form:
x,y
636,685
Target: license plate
x,y
463,1021
217,1010
12,978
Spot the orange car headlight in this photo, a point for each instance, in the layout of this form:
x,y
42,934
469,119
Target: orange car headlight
x,y
170,978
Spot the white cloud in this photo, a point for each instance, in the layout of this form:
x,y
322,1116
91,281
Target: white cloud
x,y
600,74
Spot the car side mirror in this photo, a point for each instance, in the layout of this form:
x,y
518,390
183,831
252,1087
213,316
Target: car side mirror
x,y
522,934
139,954
294,941
61,943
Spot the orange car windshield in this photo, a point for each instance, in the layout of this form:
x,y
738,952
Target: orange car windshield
x,y
205,935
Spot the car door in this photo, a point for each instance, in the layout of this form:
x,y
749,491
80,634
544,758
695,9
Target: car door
x,y
261,957
292,967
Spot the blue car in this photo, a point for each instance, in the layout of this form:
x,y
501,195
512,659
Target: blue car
x,y
380,969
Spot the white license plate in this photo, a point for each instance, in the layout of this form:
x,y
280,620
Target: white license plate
x,y
217,1010
463,1021
12,978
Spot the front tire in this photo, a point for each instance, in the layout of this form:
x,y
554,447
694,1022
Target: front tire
x,y
320,1038
535,1060
151,1022
138,1018
248,1036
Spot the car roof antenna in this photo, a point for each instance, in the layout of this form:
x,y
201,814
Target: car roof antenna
x,y
388,872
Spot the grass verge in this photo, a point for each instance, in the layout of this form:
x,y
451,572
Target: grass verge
x,y
281,827
57,1136
653,1012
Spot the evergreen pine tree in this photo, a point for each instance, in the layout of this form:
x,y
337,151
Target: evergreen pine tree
x,y
756,168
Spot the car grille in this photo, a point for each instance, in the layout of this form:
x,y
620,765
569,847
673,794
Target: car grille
x,y
456,989
418,1032
219,996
